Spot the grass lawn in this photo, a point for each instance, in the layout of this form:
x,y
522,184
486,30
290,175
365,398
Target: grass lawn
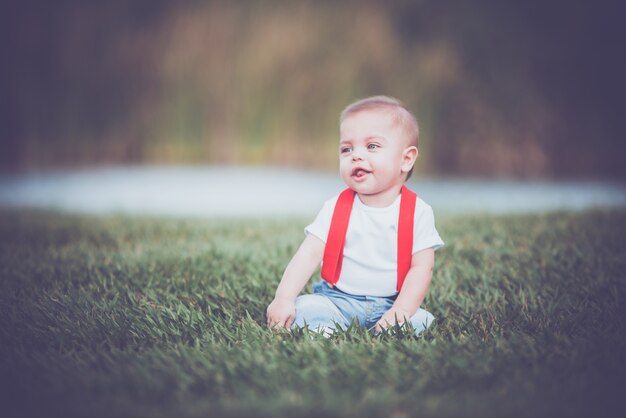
x,y
121,316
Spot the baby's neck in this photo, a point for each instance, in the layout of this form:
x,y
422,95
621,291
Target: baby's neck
x,y
382,199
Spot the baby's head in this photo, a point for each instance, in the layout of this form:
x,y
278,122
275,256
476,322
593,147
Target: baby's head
x,y
378,144
392,107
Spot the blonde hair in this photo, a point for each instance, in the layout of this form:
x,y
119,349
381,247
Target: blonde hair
x,y
394,107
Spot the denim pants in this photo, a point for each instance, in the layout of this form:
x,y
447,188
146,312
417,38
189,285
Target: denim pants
x,y
328,306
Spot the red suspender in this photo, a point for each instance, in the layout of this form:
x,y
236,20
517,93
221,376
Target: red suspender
x,y
333,252
405,234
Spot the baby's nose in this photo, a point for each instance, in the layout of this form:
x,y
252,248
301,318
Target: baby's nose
x,y
356,155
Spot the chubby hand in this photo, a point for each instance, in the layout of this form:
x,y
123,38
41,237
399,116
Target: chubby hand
x,y
281,313
392,316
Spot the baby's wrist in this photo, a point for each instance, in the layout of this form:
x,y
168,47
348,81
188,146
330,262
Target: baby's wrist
x,y
284,298
401,309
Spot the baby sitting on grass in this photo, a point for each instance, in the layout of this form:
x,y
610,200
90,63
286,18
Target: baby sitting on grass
x,y
376,239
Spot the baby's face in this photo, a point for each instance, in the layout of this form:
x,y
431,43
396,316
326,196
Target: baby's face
x,y
372,153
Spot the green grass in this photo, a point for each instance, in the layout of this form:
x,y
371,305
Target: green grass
x,y
148,317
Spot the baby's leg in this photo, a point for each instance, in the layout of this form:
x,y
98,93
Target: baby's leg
x,y
319,313
421,320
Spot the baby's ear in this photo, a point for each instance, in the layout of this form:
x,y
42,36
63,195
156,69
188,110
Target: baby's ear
x,y
409,155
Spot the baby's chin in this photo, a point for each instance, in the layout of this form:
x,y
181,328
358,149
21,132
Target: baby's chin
x,y
362,188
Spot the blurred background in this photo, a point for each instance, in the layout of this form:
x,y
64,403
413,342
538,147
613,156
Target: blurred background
x,y
518,89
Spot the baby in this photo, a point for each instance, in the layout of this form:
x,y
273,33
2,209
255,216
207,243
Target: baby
x,y
376,239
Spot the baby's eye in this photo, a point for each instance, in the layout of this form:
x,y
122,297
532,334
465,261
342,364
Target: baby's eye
x,y
344,150
373,146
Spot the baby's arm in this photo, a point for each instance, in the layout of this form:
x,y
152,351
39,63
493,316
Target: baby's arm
x,y
413,290
282,311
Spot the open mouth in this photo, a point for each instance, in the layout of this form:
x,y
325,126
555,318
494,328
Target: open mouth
x,y
359,173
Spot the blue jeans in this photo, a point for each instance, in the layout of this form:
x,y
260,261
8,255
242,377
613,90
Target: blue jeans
x,y
328,306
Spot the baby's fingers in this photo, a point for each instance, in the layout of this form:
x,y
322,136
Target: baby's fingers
x,y
276,323
272,321
289,321
380,325
383,323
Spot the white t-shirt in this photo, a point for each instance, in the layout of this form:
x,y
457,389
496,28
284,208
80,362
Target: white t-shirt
x,y
370,254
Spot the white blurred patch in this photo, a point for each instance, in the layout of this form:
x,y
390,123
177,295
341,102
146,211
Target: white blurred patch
x,y
250,192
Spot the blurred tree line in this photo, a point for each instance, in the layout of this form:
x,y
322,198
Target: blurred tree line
x,y
516,88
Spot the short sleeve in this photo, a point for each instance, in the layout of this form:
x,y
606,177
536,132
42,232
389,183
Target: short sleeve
x,y
320,226
425,234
